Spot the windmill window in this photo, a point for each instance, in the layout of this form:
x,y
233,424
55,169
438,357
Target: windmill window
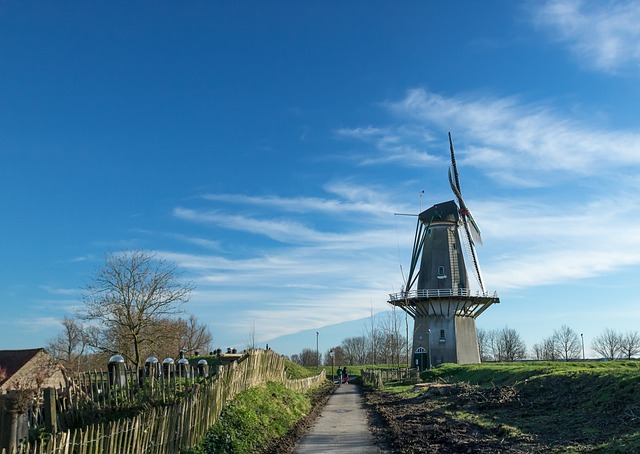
x,y
420,350
441,274
442,338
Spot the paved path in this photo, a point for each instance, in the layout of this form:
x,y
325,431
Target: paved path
x,y
341,427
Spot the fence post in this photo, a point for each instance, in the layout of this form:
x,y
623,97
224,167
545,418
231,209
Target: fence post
x,y
5,423
11,415
50,416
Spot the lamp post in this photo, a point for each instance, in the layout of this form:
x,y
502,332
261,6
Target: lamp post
x,y
582,336
331,354
317,350
429,345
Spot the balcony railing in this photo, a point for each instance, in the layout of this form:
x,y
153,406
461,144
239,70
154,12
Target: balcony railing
x,y
437,293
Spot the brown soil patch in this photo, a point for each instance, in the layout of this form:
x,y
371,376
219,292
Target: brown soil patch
x,y
431,422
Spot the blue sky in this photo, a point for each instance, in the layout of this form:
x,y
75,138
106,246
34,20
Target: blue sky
x,y
264,148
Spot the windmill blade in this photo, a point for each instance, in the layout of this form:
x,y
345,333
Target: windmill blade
x,y
467,217
472,258
455,167
454,181
456,191
472,227
454,178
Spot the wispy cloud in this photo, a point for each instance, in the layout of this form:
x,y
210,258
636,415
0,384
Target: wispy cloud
x,y
406,145
37,324
604,35
286,289
503,135
61,291
543,243
350,199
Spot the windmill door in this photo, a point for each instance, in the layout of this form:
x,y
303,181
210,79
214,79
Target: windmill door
x,y
420,359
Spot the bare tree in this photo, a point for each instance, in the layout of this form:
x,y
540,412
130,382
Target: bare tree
x,y
308,357
630,344
68,347
195,336
608,344
491,347
549,349
373,337
167,337
506,345
355,350
545,350
566,343
295,358
126,297
483,341
381,355
392,342
536,352
339,357
251,342
163,339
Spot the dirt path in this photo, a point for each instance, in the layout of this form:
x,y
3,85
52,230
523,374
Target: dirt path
x,y
341,427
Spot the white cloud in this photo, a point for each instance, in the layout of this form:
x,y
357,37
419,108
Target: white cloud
x,y
351,199
61,291
36,324
539,244
602,34
504,136
406,144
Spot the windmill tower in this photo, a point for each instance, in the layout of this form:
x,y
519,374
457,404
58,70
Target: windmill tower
x,y
437,293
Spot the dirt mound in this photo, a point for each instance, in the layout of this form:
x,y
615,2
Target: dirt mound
x,y
434,421
567,413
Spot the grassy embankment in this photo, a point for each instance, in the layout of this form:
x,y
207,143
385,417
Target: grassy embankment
x,y
580,406
258,417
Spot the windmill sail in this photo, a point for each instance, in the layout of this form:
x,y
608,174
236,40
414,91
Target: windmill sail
x,y
471,229
467,217
472,258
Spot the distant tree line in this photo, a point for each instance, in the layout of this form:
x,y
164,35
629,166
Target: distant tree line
x,y
613,345
383,341
564,344
132,306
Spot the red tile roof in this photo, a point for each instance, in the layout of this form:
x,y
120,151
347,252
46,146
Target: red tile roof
x,y
14,360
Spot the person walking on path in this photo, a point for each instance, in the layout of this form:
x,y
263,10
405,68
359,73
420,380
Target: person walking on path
x,y
345,373
340,374
341,427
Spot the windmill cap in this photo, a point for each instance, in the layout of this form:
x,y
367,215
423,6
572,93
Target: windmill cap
x,y
445,211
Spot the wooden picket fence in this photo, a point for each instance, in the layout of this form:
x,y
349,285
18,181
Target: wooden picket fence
x,y
91,393
174,426
378,376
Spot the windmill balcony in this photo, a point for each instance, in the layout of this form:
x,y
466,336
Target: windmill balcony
x,y
437,293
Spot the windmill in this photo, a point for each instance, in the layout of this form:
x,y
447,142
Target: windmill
x,y
437,294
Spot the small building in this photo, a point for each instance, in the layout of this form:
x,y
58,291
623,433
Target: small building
x,y
31,369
